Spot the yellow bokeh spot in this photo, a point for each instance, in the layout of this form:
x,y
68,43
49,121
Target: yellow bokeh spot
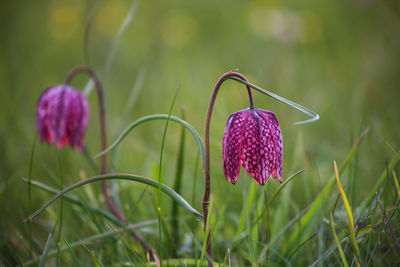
x,y
110,17
178,29
64,19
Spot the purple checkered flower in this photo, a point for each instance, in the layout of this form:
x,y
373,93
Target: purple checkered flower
x,y
62,116
253,139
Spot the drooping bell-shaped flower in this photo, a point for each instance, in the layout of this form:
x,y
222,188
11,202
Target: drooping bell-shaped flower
x,y
253,139
62,116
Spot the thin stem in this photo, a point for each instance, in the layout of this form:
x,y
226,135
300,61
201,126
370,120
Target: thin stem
x,y
207,186
103,169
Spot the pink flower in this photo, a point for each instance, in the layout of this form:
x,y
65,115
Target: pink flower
x,y
62,116
253,138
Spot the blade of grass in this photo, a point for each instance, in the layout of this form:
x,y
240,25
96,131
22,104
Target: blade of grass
x,y
349,215
177,187
89,159
260,216
68,246
128,109
195,177
366,230
387,222
91,239
130,248
301,245
43,259
317,204
338,244
182,262
262,213
276,237
61,210
87,31
113,49
130,177
294,105
30,193
396,183
151,118
96,263
160,177
75,201
381,180
206,232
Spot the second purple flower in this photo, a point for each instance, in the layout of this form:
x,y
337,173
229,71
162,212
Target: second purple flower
x,y
253,139
62,116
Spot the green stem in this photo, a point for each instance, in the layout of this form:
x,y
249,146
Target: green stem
x,y
207,184
103,169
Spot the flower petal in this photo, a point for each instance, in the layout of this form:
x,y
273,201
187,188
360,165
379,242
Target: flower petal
x,y
275,142
232,145
256,157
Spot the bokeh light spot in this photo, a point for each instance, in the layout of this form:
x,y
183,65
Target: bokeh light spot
x,y
178,29
110,17
64,19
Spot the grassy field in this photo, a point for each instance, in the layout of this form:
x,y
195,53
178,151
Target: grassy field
x,y
339,58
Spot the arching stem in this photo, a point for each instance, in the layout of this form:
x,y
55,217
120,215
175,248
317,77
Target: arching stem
x,y
103,168
207,186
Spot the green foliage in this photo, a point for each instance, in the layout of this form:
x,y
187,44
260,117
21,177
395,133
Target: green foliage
x,y
340,58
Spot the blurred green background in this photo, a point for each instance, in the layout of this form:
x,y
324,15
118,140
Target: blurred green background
x,y
339,58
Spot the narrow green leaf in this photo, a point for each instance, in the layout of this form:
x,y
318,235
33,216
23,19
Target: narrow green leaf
x,y
91,239
160,177
380,181
43,259
130,177
94,260
182,262
30,192
349,214
396,183
299,107
290,178
319,201
68,246
338,244
363,231
206,232
75,201
61,210
113,49
151,118
177,187
130,248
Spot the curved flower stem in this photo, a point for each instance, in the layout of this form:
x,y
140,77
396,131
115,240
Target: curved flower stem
x,y
207,186
103,169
